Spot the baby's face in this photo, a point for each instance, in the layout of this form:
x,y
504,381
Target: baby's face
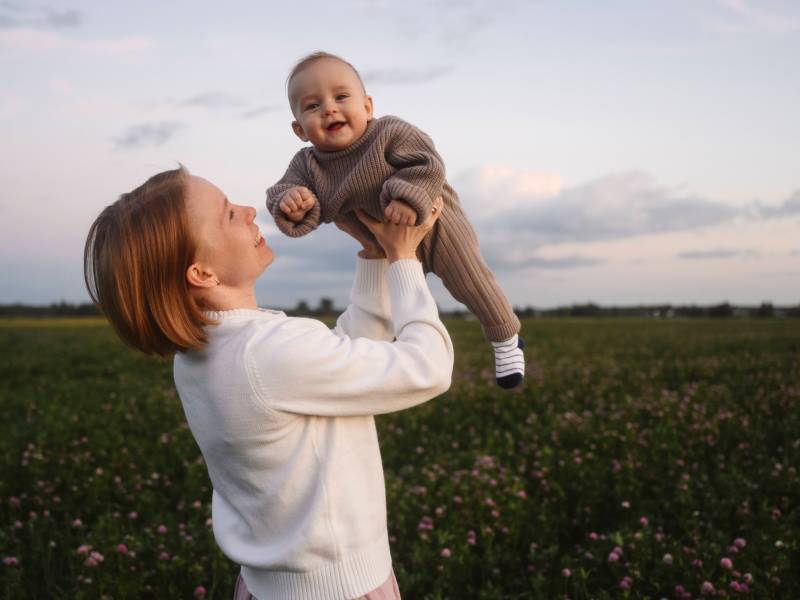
x,y
329,105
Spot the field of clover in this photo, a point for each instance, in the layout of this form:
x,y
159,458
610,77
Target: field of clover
x,y
640,459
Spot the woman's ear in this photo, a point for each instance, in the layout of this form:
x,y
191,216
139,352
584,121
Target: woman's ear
x,y
198,276
298,131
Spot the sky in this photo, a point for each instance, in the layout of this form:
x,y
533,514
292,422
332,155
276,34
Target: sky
x,y
617,152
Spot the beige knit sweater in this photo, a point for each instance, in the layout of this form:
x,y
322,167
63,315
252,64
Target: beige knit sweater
x,y
392,160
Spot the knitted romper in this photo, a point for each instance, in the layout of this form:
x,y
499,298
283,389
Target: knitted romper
x,y
395,160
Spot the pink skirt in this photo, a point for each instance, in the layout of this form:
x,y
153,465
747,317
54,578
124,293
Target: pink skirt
x,y
387,591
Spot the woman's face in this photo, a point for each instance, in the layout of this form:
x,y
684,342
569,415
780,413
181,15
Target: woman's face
x,y
229,243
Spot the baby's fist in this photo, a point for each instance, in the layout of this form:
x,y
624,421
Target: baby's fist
x,y
400,213
296,203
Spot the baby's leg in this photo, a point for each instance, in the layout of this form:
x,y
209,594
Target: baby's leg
x,y
451,251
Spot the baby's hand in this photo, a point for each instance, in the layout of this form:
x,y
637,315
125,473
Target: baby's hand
x,y
400,213
296,203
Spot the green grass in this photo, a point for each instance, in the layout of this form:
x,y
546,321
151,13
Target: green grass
x,y
654,437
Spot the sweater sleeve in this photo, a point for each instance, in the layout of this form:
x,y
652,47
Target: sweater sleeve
x,y
369,312
317,372
420,171
296,174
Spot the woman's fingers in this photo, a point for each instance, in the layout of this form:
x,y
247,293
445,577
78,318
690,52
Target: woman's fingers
x,y
366,219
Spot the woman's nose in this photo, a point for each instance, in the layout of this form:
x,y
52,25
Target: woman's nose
x,y
251,214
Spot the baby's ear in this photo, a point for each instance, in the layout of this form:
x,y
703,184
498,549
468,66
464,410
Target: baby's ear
x,y
298,131
368,106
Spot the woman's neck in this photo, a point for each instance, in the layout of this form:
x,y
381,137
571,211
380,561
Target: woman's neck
x,y
229,298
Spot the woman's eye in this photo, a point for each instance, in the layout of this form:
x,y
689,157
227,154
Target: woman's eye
x,y
230,216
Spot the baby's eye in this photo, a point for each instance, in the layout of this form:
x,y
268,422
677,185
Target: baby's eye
x,y
311,106
342,96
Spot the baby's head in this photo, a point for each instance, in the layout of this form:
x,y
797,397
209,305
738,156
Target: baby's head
x,y
328,100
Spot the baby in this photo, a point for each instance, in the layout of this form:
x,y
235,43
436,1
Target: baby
x,y
391,170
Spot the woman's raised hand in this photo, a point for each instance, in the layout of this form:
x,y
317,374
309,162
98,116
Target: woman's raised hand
x,y
400,241
350,225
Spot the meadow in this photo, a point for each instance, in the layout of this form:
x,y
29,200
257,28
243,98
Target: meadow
x,y
640,459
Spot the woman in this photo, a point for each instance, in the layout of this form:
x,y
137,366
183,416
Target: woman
x,y
281,408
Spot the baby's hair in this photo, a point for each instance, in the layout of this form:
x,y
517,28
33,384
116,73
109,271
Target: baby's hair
x,y
310,59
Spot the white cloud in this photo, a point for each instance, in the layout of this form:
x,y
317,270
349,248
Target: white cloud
x,y
537,209
212,100
405,75
492,189
718,254
30,39
752,20
532,220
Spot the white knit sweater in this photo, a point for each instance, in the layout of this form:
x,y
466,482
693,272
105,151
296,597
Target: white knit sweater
x,y
282,410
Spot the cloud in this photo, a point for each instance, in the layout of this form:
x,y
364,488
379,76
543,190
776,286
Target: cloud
x,y
519,214
521,218
452,22
717,254
64,18
495,188
16,15
465,27
790,207
212,100
749,19
405,76
147,134
510,259
612,207
260,111
28,38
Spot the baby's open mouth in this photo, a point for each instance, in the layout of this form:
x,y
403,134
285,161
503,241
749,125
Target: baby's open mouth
x,y
336,126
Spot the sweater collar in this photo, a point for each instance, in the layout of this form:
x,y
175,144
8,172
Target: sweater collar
x,y
217,315
369,133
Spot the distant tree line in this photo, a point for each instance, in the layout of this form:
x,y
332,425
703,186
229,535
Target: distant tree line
x,y
326,308
60,309
659,311
664,311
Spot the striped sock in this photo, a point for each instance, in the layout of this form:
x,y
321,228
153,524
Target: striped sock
x,y
509,362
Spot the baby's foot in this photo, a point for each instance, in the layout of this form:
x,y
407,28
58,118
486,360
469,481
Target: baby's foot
x,y
509,362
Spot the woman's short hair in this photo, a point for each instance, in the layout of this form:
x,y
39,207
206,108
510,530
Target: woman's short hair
x,y
135,262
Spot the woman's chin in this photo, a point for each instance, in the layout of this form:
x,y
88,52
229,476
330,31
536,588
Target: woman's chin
x,y
268,259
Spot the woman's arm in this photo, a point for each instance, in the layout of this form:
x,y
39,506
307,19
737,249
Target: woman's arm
x,y
369,312
303,367
308,369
